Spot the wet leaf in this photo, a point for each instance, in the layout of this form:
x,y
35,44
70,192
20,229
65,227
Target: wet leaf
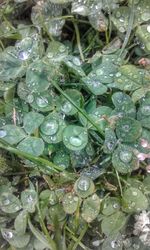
x,y
114,223
110,206
52,128
32,121
134,201
70,203
12,134
75,137
128,129
29,200
9,203
32,145
20,223
90,208
84,186
11,66
14,239
124,160
110,141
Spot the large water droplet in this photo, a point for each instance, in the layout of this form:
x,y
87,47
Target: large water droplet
x,y
125,156
50,127
76,61
42,102
118,74
116,205
145,16
118,14
83,184
7,235
75,141
148,28
67,107
115,244
80,8
134,193
23,55
6,201
99,72
3,133
62,48
29,198
121,20
30,98
146,110
122,29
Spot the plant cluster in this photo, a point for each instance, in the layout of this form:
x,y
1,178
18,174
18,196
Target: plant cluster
x,y
74,124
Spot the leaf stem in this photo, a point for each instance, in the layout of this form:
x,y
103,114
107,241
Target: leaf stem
x,y
45,231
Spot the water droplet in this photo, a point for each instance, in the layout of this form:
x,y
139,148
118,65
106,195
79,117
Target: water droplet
x,y
96,243
118,74
50,127
136,246
6,201
80,9
110,145
29,198
148,28
125,156
7,235
115,244
76,61
145,110
76,198
116,205
42,102
75,141
23,55
145,16
67,107
30,98
83,184
118,14
122,29
134,193
121,20
99,72
50,55
3,133
62,48
126,128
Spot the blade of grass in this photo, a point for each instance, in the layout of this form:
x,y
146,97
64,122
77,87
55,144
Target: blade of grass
x,y
80,110
78,40
130,26
44,164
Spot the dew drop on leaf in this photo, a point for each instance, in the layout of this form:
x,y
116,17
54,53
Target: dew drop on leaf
x,y
50,127
3,133
6,202
7,235
67,107
125,156
23,55
83,184
30,98
75,141
148,28
42,102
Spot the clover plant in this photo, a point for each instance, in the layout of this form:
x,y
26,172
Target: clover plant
x,y
74,124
